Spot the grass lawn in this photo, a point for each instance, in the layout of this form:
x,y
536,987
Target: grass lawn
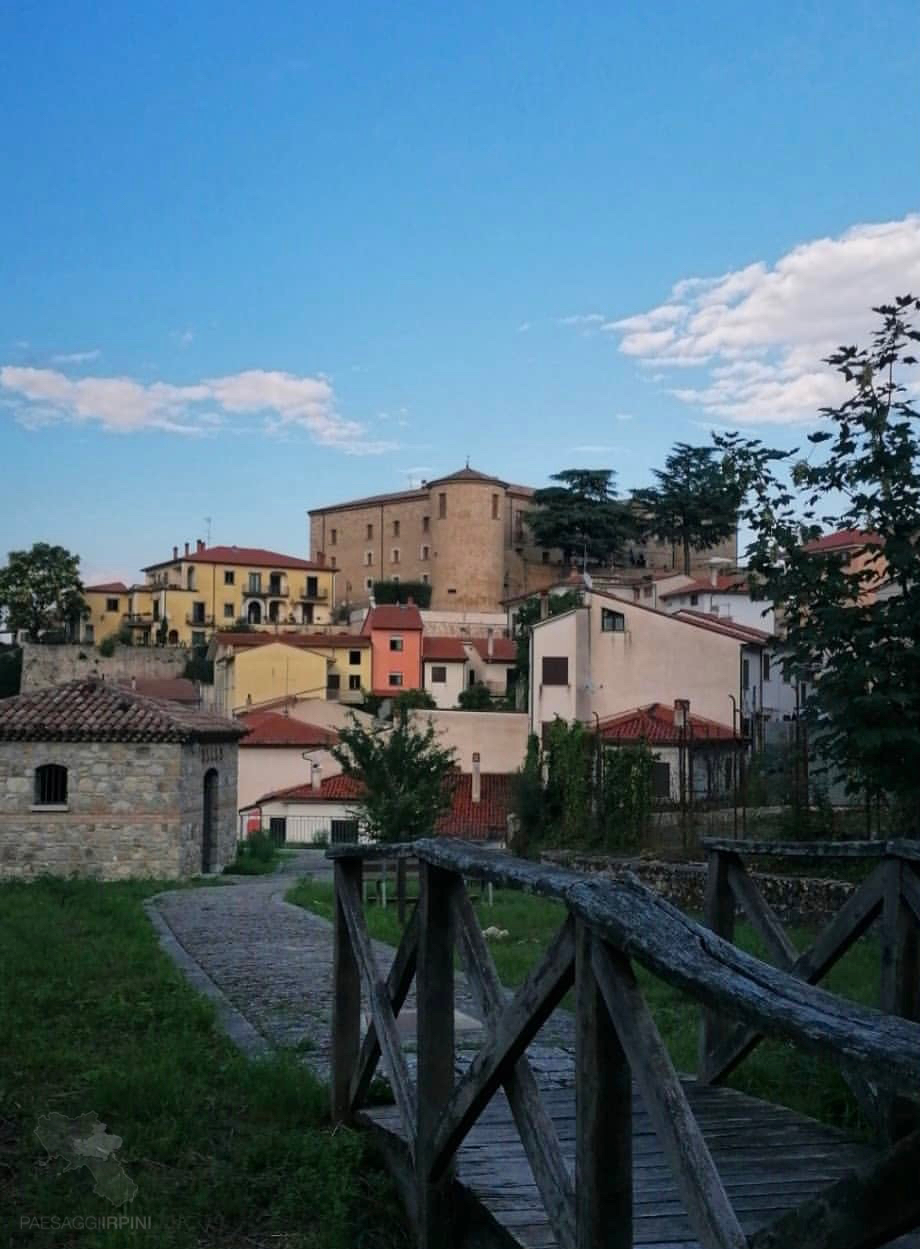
x,y
225,1151
776,1071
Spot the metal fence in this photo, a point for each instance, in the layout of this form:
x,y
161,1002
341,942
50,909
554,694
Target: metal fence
x,y
301,830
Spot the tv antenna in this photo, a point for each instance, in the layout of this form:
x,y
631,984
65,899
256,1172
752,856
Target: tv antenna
x,y
207,521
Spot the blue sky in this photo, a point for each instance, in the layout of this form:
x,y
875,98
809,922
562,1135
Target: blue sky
x,y
258,258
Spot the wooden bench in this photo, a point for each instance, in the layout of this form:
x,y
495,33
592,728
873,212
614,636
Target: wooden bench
x,y
399,878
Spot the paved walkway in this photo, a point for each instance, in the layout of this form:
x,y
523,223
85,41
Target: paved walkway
x,y
268,966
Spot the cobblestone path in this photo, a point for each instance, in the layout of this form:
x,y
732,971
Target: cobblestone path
x,y
272,962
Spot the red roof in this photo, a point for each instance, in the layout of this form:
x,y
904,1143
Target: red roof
x,y
443,650
90,710
842,539
730,583
271,728
173,689
402,617
255,555
655,724
504,650
339,788
729,628
108,587
303,640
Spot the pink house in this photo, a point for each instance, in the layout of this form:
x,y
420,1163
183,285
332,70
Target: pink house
x,y
395,631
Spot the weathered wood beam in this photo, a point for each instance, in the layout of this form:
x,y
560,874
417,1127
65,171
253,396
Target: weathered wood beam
x,y
719,917
761,915
863,1210
896,848
381,1008
534,1124
708,1208
346,1000
511,1033
910,888
434,992
399,982
603,1115
900,981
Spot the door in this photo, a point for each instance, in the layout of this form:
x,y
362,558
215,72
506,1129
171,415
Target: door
x,y
208,819
344,831
277,829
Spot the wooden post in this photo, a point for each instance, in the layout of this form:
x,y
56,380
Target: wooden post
x,y
435,1034
899,979
346,1003
401,891
718,915
603,1116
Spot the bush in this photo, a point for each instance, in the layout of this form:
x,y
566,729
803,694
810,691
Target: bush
x,y
256,856
10,670
107,646
402,591
198,667
476,698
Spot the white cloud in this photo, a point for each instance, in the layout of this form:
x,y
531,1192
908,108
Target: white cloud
x,y
758,335
584,318
77,357
594,448
523,327
623,416
285,401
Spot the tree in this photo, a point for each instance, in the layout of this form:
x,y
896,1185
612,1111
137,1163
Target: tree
x,y
402,591
475,698
581,516
694,505
404,772
41,590
860,653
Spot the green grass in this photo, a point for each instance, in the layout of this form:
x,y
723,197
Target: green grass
x,y
225,1151
776,1071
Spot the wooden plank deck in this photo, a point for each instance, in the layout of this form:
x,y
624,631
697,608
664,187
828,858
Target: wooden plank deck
x,y
770,1159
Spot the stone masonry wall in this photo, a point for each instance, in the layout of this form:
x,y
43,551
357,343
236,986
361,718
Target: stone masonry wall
x,y
795,899
121,818
53,665
197,759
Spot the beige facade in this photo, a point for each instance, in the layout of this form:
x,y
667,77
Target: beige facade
x,y
498,737
266,769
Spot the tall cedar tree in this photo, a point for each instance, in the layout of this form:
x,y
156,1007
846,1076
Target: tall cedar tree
x,y
580,517
861,654
694,505
405,774
41,590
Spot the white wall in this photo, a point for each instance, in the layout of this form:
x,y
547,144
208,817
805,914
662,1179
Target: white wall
x,y
265,769
328,715
474,624
740,608
307,821
500,737
445,693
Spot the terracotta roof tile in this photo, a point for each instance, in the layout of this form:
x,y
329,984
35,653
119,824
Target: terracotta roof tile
x,y
107,587
726,584
443,650
842,539
655,725
393,616
305,641
504,650
257,556
339,788
89,710
271,728
173,689
719,624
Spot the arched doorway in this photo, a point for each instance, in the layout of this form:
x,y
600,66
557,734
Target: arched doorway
x,y
174,637
208,819
254,613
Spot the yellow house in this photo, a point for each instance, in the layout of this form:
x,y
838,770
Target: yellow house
x,y
187,598
258,670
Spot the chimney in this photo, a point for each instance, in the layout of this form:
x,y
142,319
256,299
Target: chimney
x,y
544,606
199,545
186,548
134,683
490,646
476,781
714,575
316,778
175,552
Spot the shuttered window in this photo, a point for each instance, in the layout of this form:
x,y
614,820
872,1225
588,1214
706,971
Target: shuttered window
x,y
555,670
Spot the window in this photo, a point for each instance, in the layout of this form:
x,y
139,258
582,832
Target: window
x,y
395,579
368,558
426,524
312,587
370,532
368,584
198,639
451,590
546,557
111,604
661,780
395,528
694,599
442,506
495,507
555,670
766,666
333,537
354,681
424,578
612,621
438,675
229,611
229,576
198,612
745,674
394,555
332,561
156,609
255,583
354,658
396,678
50,785
396,644
425,551
333,685
647,591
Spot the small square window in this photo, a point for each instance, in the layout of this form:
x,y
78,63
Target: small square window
x,y
424,552
333,681
426,524
229,576
396,644
694,599
368,558
370,532
229,611
438,674
395,528
332,561
333,536
354,681
612,621
396,678
555,670
368,584
50,785
111,604
424,578
354,658
394,555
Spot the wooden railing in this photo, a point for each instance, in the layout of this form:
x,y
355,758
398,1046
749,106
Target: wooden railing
x,y
608,927
889,897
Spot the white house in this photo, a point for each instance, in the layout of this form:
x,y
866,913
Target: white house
x,y
444,669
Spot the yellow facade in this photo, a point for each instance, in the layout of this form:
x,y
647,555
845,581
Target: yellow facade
x,y
253,676
186,599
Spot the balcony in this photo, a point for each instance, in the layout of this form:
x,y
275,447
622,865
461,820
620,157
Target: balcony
x,y
318,595
199,622
139,620
274,589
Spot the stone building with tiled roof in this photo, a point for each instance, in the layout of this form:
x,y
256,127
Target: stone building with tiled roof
x,y
99,780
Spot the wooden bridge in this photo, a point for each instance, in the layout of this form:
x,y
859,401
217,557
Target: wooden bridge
x,y
626,1152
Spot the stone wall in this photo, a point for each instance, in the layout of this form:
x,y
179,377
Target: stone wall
x,y
53,665
132,810
795,899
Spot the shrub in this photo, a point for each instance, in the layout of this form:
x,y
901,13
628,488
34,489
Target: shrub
x,y
402,591
476,698
107,646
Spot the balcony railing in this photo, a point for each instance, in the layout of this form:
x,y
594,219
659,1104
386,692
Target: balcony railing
x,y
203,622
279,590
318,595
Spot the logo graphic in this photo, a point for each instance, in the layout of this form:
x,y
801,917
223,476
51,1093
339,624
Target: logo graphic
x,y
84,1142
